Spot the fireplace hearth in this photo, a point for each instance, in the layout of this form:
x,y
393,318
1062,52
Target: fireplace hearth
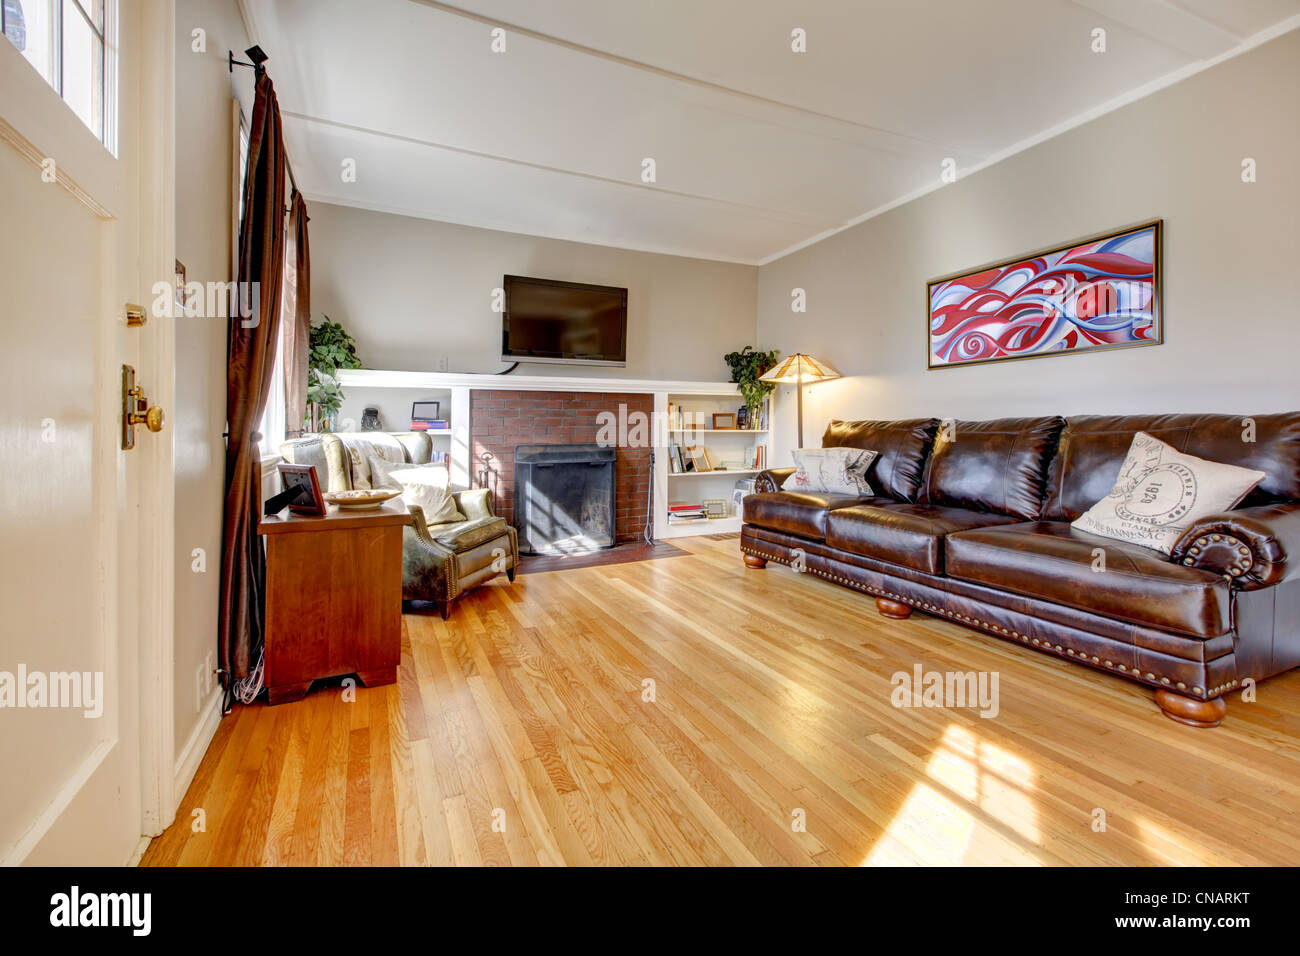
x,y
564,497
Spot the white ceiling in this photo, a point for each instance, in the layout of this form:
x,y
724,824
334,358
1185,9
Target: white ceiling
x,y
758,149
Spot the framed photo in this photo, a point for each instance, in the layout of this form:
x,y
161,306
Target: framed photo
x,y
302,477
1089,295
425,411
724,420
699,456
715,507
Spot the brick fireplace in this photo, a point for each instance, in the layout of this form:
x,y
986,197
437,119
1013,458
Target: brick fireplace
x,y
500,419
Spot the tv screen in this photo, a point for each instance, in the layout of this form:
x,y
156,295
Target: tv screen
x,y
550,321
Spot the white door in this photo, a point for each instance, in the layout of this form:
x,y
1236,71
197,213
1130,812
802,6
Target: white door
x,y
86,563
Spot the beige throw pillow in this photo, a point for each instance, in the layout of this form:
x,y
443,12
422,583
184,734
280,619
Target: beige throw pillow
x,y
841,471
427,486
1160,492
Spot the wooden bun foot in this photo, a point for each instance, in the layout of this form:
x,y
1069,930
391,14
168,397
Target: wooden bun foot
x,y
754,561
894,609
1190,711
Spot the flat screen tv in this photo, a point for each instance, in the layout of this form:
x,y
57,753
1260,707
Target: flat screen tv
x,y
551,321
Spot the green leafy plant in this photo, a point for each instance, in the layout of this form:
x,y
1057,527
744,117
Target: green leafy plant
x,y
746,367
331,348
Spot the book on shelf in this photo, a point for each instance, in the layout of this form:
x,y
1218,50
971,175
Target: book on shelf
x,y
428,425
683,512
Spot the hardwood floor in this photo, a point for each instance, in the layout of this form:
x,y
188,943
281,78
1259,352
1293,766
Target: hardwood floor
x,y
519,733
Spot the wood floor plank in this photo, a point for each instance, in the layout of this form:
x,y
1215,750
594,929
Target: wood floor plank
x,y
521,732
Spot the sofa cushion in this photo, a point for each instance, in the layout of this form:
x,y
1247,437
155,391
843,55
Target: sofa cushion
x,y
797,512
417,445
463,535
1053,562
905,534
998,466
903,447
424,487
1092,449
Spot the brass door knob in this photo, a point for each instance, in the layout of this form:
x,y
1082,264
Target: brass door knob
x,y
136,409
151,419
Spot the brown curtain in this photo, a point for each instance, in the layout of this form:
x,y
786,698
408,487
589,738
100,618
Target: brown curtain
x,y
250,359
296,317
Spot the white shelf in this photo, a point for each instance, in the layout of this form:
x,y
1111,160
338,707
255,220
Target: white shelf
x,y
715,473
718,431
726,525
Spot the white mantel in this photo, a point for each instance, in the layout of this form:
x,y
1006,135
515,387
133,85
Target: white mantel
x,y
381,378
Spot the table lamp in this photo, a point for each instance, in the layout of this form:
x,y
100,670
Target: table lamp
x,y
799,370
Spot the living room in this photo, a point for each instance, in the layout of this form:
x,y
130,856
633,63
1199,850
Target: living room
x,y
534,451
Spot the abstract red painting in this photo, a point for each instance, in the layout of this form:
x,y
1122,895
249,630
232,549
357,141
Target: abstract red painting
x,y
1093,294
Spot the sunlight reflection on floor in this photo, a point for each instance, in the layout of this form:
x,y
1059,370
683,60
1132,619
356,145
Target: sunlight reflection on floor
x,y
980,792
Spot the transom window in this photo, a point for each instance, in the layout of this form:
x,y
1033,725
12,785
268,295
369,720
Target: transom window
x,y
69,43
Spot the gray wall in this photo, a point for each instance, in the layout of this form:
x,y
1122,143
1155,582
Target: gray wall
x,y
204,88
413,291
1230,264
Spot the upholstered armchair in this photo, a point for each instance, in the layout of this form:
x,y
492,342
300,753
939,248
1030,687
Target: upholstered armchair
x,y
440,562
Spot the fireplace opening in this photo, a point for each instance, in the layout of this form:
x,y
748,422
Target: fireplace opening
x,y
564,498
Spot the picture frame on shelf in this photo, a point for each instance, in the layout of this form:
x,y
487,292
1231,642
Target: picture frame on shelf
x,y
699,458
724,420
738,501
715,507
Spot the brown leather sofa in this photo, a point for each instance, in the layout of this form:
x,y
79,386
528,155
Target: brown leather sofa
x,y
971,522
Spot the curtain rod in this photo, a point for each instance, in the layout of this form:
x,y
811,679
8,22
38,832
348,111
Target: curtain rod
x,y
259,57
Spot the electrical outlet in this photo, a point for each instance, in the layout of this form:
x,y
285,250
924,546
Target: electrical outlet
x,y
442,363
198,689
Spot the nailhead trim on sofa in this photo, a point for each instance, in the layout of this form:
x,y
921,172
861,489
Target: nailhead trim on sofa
x,y
1245,560
1148,677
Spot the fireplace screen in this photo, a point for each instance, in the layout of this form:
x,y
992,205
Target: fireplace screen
x,y
564,498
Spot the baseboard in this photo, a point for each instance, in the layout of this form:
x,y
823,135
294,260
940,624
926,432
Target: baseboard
x,y
138,853
191,755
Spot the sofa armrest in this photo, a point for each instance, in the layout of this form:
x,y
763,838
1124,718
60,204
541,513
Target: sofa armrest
x,y
771,480
1255,547
474,503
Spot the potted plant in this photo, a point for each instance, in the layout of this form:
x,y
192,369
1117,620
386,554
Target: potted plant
x,y
746,367
331,348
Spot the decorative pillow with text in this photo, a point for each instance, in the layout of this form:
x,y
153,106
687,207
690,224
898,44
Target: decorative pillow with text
x,y
840,471
1160,492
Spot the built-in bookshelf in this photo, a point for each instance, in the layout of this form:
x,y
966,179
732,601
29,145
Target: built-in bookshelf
x,y
702,457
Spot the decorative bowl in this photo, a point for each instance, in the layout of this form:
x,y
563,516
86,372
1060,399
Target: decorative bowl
x,y
361,500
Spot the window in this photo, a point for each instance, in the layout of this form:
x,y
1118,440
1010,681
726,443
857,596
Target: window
x,y
69,42
272,425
